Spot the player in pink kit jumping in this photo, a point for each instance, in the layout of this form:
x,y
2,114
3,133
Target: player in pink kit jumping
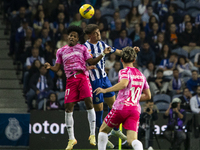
x,y
73,57
126,109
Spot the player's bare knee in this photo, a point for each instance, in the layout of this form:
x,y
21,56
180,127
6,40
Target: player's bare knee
x,y
88,103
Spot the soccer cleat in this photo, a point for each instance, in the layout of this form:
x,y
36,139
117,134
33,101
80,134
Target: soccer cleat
x,y
71,143
92,140
118,134
109,145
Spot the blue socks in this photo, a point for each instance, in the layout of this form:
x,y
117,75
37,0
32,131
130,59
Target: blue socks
x,y
99,119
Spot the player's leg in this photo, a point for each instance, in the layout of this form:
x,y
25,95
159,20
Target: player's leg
x,y
103,136
133,141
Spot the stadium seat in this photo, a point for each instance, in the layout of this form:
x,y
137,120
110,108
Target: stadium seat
x,y
195,13
153,3
180,52
162,107
130,30
180,4
185,79
141,103
40,104
177,95
164,98
136,3
61,103
123,13
191,11
194,52
108,18
124,4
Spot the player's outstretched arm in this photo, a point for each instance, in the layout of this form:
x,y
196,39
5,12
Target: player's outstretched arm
x,y
119,52
94,61
146,95
53,68
119,86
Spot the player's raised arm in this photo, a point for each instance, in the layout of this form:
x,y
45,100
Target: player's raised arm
x,y
119,52
146,95
53,68
94,61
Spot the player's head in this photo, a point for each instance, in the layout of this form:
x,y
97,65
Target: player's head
x,y
129,55
74,32
93,32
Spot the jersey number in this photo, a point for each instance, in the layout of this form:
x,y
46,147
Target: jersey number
x,y
134,94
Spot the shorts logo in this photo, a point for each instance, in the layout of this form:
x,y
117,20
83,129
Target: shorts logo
x,y
113,124
97,99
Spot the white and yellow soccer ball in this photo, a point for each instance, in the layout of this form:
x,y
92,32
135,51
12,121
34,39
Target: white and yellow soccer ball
x,y
86,11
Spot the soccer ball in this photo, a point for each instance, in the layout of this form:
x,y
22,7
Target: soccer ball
x,y
86,11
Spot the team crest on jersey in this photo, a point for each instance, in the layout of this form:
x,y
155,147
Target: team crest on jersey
x,y
101,47
13,130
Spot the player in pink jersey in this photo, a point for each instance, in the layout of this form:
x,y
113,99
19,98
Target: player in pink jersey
x,y
74,57
126,109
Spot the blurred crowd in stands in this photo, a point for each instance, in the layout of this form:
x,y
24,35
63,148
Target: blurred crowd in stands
x,y
167,32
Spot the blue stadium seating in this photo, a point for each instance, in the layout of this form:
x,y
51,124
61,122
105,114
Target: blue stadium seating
x,y
162,98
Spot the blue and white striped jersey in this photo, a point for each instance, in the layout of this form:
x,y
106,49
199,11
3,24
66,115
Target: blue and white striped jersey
x,y
96,50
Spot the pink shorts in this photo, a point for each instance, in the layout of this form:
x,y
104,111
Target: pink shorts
x,y
78,87
128,118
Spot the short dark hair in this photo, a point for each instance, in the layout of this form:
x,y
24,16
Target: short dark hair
x,y
175,69
194,71
128,54
90,28
159,70
77,29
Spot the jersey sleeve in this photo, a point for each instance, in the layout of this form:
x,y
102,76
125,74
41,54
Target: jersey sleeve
x,y
86,53
112,48
59,57
146,85
123,74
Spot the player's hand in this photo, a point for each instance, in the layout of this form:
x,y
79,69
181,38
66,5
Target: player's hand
x,y
47,65
107,50
137,49
99,90
90,67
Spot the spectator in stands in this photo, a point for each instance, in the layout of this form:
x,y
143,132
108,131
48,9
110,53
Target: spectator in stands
x,y
168,65
39,21
113,73
153,35
146,16
41,86
33,5
161,9
45,36
135,35
139,42
197,61
164,54
52,103
76,20
16,5
197,21
98,18
35,55
63,41
176,117
143,7
83,25
116,16
165,26
46,25
189,39
158,84
109,63
59,33
55,12
145,55
150,71
132,18
105,39
49,7
60,84
186,18
176,85
149,26
194,82
185,100
123,40
114,34
173,12
195,102
135,64
185,66
48,52
147,119
158,45
172,36
37,44
21,31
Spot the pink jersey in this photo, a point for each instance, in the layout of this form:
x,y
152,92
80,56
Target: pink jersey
x,y
73,59
129,97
